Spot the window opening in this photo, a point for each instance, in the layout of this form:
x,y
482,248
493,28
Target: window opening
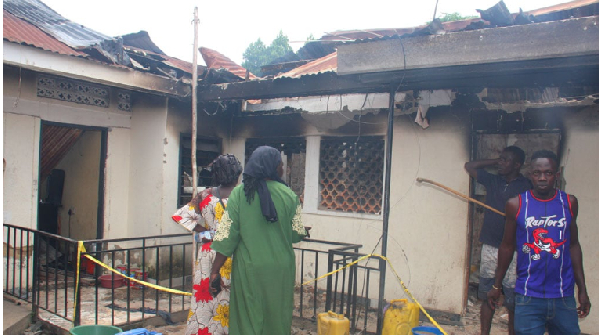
x,y
351,174
207,150
293,155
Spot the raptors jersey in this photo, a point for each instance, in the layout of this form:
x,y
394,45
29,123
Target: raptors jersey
x,y
543,239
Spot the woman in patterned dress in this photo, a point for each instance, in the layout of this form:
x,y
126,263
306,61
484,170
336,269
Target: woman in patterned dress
x,y
209,315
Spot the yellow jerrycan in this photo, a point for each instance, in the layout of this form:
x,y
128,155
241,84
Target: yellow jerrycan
x,y
400,317
331,323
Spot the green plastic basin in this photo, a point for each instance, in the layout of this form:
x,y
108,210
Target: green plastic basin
x,y
95,330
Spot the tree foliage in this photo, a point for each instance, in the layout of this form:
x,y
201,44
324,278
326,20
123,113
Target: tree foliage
x,y
258,54
446,17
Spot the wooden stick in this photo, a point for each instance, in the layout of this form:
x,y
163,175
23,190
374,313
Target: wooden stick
x,y
195,105
460,195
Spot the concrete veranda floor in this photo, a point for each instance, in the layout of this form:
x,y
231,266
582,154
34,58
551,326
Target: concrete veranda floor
x,y
16,317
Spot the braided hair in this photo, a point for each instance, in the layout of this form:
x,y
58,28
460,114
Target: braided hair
x,y
226,169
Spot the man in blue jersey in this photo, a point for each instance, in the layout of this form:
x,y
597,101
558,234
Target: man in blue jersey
x,y
499,189
541,225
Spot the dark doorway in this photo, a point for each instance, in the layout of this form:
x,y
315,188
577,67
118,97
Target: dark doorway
x,y
71,184
492,132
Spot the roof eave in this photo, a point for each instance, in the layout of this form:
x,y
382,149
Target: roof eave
x,y
78,68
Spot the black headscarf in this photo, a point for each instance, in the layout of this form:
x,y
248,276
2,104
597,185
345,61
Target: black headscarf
x,y
262,165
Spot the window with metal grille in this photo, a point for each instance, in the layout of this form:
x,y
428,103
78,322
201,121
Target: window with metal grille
x,y
207,149
293,154
351,174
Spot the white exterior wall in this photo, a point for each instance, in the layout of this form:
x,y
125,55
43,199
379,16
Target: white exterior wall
x,y
116,191
427,227
428,223
23,112
580,164
148,126
21,152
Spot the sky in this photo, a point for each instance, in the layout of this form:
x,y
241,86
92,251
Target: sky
x,y
230,26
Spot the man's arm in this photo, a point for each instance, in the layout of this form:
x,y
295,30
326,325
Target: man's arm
x,y
576,261
472,166
506,250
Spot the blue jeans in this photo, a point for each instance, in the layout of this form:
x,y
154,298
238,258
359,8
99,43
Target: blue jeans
x,y
533,315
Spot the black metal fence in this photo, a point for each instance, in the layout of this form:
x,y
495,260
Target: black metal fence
x,y
342,293
19,247
40,268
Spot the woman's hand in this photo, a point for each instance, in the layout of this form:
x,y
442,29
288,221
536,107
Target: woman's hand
x,y
214,291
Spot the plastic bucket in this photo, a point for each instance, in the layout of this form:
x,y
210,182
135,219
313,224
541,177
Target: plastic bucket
x,y
426,331
95,330
106,281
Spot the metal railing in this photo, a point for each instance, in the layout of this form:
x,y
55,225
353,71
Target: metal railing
x,y
342,294
164,262
14,247
40,268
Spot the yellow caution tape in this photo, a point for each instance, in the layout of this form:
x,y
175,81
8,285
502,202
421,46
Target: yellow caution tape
x,y
397,276
79,247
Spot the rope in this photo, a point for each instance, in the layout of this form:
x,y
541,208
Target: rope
x,y
460,195
397,276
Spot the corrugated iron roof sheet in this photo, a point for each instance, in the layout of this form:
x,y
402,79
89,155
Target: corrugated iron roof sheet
x,y
141,40
167,60
20,31
216,60
576,8
324,64
561,7
363,34
49,21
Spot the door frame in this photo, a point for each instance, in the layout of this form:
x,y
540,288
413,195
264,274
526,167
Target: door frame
x,y
101,175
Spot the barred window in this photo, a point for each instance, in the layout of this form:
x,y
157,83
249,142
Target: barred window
x,y
207,149
293,154
351,174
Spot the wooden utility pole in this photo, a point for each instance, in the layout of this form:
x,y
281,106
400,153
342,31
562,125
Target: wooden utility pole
x,y
195,105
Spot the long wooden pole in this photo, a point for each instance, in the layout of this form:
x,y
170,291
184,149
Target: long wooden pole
x,y
195,105
460,195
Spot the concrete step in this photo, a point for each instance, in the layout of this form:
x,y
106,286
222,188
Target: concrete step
x,y
17,317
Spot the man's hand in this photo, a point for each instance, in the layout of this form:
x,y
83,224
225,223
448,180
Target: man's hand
x,y
493,296
584,304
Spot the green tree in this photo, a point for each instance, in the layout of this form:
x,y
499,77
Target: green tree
x,y
446,17
310,37
257,54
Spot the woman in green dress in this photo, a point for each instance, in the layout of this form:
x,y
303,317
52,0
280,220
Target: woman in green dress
x,y
260,232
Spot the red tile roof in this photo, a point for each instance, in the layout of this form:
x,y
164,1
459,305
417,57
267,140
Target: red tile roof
x,y
20,31
216,60
324,64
